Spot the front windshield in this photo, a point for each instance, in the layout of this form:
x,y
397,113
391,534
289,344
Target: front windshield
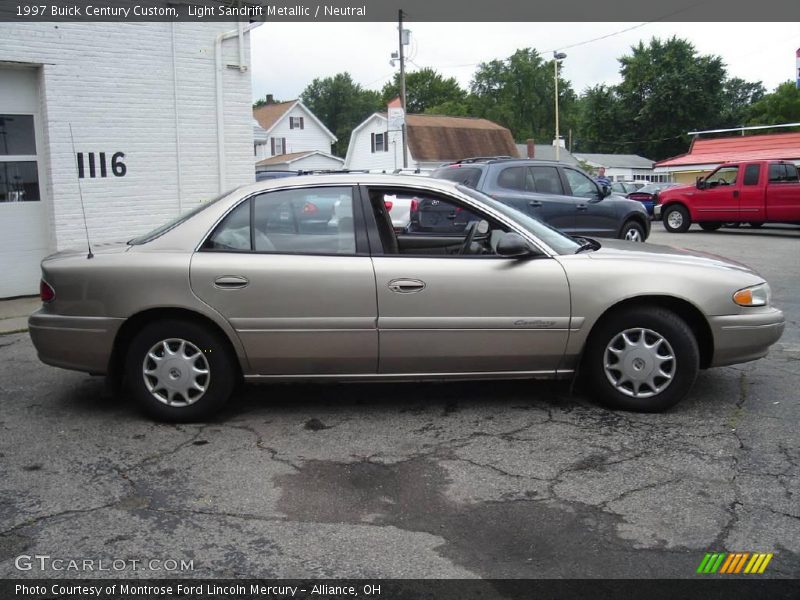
x,y
162,229
559,242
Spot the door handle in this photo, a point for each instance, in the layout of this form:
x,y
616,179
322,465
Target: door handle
x,y
582,207
735,193
406,286
231,282
535,204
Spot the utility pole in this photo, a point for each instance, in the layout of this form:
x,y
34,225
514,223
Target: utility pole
x,y
557,58
402,86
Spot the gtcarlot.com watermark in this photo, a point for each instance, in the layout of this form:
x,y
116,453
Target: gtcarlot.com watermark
x,y
45,562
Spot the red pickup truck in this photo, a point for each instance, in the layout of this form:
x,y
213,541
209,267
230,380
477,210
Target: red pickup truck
x,y
753,191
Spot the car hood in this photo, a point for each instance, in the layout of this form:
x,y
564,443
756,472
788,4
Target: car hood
x,y
655,253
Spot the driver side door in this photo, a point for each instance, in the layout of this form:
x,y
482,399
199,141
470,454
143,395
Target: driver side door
x,y
593,216
443,312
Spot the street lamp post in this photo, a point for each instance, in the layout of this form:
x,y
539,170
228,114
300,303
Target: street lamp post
x,y
557,58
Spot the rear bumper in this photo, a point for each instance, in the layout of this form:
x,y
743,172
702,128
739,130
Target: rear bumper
x,y
657,212
77,343
745,337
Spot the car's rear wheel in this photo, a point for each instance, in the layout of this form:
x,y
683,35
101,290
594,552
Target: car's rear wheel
x,y
179,371
676,219
632,231
644,359
710,225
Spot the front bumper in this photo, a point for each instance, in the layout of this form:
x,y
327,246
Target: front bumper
x,y
77,343
745,337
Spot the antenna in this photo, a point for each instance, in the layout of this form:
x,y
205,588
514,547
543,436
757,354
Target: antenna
x,y
80,194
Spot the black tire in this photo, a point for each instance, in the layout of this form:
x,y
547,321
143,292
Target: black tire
x,y
632,231
710,225
202,348
756,224
680,341
680,221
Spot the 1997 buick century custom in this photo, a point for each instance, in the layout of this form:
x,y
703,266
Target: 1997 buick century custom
x,y
306,279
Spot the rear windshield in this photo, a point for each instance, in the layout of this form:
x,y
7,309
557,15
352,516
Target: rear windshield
x,y
161,230
468,176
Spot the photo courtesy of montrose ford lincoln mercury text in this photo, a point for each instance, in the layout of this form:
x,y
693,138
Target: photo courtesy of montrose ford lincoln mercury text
x,y
307,279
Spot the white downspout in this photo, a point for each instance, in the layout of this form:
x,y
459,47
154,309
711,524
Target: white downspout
x,y
177,123
239,31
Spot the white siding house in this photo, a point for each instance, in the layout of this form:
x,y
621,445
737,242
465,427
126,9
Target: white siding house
x,y
373,147
301,161
289,128
160,122
622,167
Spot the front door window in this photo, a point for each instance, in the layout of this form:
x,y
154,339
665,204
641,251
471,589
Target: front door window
x,y
19,178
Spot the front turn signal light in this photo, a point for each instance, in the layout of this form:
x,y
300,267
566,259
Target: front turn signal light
x,y
756,295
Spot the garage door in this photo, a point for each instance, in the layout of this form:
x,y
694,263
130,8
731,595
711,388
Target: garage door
x,y
24,239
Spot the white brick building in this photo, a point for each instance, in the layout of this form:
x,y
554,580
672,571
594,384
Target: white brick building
x,y
161,118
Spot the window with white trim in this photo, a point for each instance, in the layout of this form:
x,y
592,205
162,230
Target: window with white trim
x,y
19,176
296,123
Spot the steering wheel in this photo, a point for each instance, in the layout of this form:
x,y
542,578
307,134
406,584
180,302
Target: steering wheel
x,y
471,228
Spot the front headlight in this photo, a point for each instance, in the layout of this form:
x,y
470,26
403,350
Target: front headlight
x,y
755,295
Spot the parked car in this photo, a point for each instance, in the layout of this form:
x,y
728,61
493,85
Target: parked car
x,y
400,208
624,188
557,194
181,314
754,192
648,194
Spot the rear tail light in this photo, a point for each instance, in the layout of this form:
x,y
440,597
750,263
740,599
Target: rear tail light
x,y
309,208
414,205
388,204
46,292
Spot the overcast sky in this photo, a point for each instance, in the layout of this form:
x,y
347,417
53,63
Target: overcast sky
x,y
288,56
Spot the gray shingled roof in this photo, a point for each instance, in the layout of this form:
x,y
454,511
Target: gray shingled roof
x,y
617,161
547,152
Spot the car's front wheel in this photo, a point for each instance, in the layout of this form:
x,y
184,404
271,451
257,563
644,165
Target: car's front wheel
x,y
179,371
643,359
676,219
632,231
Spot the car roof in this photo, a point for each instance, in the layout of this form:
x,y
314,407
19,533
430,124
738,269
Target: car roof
x,y
389,180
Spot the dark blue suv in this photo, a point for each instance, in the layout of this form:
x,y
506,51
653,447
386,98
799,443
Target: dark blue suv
x,y
560,195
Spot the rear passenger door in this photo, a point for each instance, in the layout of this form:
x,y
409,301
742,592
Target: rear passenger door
x,y
292,274
537,191
783,193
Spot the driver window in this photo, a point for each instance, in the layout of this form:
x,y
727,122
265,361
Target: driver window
x,y
580,184
723,176
434,226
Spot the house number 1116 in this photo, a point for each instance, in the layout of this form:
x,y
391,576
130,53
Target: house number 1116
x,y
98,164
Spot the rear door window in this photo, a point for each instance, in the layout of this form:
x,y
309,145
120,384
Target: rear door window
x,y
546,180
751,174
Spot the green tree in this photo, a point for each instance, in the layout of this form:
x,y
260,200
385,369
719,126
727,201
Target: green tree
x,y
737,97
601,124
424,88
519,93
667,90
341,104
781,106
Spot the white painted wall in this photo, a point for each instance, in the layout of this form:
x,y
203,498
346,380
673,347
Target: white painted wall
x,y
311,137
360,155
145,89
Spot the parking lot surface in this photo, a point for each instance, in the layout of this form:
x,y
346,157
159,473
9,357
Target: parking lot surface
x,y
488,479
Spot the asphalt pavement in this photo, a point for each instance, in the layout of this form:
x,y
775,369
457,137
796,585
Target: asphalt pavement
x,y
445,480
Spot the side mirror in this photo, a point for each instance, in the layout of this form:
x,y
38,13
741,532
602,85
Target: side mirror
x,y
605,191
513,245
700,183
